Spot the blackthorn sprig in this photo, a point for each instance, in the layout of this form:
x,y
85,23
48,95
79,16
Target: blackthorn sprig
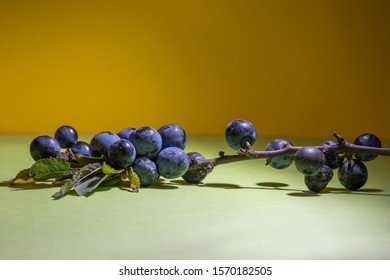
x,y
140,156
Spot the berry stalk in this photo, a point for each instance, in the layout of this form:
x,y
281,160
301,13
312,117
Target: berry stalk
x,y
342,147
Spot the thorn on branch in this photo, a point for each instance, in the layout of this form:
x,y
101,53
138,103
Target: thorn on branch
x,y
340,139
285,145
207,169
245,152
194,161
221,153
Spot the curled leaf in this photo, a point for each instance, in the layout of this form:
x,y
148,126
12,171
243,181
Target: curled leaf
x,y
23,177
88,178
82,160
20,181
112,180
107,169
65,188
90,184
133,178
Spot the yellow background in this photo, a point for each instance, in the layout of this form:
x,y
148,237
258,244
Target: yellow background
x,y
293,68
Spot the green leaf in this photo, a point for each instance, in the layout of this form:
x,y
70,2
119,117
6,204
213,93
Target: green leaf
x,y
112,180
50,168
110,170
23,177
88,178
66,187
133,178
65,176
90,184
20,181
85,180
87,171
25,173
85,160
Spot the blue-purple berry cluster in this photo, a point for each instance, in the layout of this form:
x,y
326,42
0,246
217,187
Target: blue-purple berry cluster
x,y
65,137
151,153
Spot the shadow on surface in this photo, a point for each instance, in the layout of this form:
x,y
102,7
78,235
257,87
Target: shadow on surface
x,y
363,190
224,186
272,184
330,190
307,193
99,189
212,185
304,194
184,183
277,186
161,184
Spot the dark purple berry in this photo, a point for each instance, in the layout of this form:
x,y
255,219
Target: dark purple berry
x,y
368,140
147,142
125,133
309,160
66,136
121,154
238,133
282,161
100,143
353,175
173,135
81,148
172,162
44,147
146,171
194,176
318,182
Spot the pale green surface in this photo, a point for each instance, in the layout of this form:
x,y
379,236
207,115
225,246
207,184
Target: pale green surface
x,y
243,211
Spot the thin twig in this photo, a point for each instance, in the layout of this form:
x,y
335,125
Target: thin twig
x,y
345,148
